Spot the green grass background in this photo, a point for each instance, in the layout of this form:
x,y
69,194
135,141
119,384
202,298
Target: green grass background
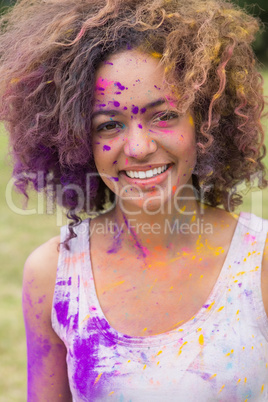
x,y
19,235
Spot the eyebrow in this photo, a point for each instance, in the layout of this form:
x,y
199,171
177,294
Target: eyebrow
x,y
106,112
110,112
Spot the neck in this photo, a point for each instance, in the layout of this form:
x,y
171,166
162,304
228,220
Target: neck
x,y
161,233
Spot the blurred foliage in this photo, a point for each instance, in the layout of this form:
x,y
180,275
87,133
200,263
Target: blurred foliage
x,y
4,4
258,8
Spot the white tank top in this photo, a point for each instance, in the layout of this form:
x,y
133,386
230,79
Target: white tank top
x,y
221,354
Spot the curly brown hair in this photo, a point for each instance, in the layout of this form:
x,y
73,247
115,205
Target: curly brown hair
x,y
50,50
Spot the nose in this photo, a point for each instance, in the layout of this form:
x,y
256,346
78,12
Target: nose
x,y
139,143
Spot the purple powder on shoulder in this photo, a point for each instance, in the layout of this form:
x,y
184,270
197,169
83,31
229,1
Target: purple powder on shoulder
x,y
41,299
116,104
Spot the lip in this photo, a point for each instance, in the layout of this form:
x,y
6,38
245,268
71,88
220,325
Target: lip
x,y
148,181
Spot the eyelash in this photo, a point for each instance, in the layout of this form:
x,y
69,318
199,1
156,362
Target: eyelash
x,y
113,123
160,116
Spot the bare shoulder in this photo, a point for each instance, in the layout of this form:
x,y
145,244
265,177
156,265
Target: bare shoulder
x,y
40,271
43,260
47,252
265,276
47,370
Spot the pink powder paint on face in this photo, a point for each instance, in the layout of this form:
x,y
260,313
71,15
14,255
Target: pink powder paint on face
x,y
126,162
162,123
168,131
103,83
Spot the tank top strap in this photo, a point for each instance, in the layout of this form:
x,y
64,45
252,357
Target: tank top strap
x,y
244,294
248,243
72,268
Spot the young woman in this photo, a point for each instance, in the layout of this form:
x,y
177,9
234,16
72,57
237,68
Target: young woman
x,y
146,114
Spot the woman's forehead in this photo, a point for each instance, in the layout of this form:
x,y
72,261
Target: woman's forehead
x,y
131,67
130,77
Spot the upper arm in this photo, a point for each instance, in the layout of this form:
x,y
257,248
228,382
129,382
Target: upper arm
x,y
265,276
47,371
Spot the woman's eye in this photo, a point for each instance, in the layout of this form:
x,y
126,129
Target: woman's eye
x,y
166,116
110,126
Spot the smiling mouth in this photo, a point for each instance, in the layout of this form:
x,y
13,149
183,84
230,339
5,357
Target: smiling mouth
x,y
147,174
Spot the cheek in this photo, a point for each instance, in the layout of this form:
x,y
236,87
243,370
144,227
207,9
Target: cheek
x,y
105,154
101,147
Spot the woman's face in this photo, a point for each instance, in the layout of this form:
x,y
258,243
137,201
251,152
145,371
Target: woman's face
x,y
144,151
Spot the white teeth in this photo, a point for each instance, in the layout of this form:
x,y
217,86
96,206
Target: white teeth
x,y
147,173
142,175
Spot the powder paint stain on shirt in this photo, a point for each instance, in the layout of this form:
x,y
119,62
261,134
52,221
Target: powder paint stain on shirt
x,y
189,376
75,258
88,381
249,238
